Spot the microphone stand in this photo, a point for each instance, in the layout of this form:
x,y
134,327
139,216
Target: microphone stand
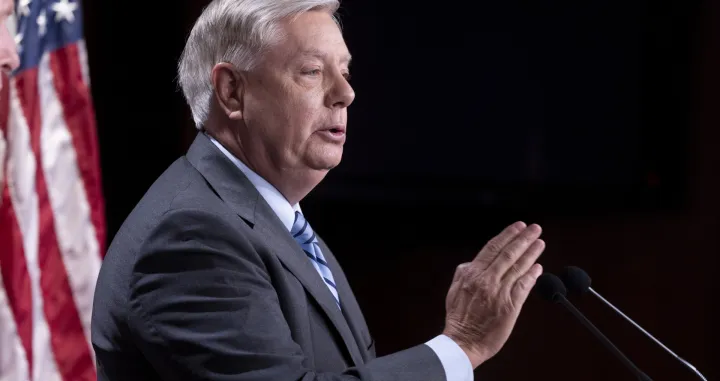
x,y
683,361
604,340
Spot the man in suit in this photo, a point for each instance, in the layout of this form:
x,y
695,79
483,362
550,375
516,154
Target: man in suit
x,y
9,61
217,275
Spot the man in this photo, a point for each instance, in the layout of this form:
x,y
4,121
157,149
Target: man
x,y
216,274
9,61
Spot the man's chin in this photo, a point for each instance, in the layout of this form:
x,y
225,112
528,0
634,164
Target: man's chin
x,y
325,164
326,158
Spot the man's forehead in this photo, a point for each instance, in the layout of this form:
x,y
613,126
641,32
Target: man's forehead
x,y
314,34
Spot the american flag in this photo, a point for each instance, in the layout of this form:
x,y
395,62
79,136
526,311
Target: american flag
x,y
52,223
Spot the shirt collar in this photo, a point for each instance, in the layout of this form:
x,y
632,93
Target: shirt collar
x,y
272,196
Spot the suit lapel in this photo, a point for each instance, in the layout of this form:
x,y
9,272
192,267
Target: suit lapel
x,y
240,194
295,260
350,308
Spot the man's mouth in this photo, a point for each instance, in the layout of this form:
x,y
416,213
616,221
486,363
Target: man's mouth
x,y
335,134
337,129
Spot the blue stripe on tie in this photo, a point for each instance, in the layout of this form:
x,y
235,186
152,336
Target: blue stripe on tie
x,y
316,259
328,281
317,249
301,230
310,240
320,261
311,255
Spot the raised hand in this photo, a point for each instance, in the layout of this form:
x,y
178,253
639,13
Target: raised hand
x,y
487,294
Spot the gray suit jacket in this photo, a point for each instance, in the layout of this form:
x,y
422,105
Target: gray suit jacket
x,y
203,282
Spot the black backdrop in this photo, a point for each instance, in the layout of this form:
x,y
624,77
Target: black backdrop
x,y
516,103
552,118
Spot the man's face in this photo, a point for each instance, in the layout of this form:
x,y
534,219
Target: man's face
x,y
8,53
295,102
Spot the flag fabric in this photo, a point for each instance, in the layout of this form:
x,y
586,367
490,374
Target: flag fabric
x,y
52,223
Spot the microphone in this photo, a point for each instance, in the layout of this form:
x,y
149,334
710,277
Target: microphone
x,y
551,288
578,282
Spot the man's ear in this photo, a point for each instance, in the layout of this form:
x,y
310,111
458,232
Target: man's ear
x,y
229,85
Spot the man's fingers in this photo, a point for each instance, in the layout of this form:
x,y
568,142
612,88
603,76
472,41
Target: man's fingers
x,y
522,287
527,259
492,249
514,250
459,271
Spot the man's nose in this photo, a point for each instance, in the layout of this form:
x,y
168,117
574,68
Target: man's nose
x,y
9,59
346,94
342,94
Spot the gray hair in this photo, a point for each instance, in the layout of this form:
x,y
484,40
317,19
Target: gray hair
x,y
237,32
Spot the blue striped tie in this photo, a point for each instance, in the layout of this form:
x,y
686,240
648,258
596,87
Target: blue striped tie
x,y
304,235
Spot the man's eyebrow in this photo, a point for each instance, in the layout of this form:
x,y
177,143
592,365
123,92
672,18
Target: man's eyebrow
x,y
322,55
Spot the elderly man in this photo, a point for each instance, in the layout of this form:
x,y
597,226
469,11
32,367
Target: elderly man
x,y
8,61
8,54
217,275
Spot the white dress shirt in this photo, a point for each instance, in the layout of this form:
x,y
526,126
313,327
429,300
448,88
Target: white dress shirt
x,y
454,360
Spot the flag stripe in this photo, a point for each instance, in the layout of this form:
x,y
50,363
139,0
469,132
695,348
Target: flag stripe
x,y
74,95
75,230
16,285
13,359
67,338
17,290
82,56
24,205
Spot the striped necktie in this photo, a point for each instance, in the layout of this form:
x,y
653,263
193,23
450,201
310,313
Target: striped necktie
x,y
305,236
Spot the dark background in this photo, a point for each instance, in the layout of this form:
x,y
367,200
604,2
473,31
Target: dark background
x,y
596,119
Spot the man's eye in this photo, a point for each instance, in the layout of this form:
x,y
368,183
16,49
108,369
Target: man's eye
x,y
347,76
312,72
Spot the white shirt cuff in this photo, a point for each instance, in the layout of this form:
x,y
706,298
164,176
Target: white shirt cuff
x,y
454,360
